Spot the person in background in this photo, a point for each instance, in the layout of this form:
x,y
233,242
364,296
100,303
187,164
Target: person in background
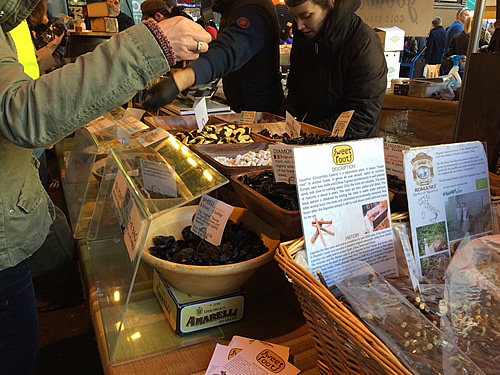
x,y
154,9
491,28
337,64
245,54
410,49
41,112
289,39
124,20
285,21
435,43
457,26
47,54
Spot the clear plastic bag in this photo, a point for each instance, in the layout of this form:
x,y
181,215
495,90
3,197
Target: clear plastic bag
x,y
418,343
472,295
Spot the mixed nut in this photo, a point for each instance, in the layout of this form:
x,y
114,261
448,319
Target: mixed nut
x,y
251,158
212,134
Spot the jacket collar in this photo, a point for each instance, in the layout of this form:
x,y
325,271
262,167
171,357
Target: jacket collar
x,y
12,12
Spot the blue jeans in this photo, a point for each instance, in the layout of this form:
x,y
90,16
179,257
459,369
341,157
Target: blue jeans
x,y
18,321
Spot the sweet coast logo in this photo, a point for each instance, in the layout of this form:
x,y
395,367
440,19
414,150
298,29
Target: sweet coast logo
x,y
342,155
422,169
271,361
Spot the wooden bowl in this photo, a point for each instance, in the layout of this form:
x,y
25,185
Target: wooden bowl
x,y
208,281
98,169
231,150
286,222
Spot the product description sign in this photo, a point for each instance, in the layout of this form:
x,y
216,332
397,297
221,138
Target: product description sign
x,y
283,163
344,207
152,137
158,178
341,124
127,213
210,219
394,159
128,126
247,117
448,199
292,126
99,124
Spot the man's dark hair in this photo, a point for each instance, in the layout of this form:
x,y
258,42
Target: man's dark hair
x,y
322,3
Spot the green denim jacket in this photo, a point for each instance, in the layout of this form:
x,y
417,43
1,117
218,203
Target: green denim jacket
x,y
42,112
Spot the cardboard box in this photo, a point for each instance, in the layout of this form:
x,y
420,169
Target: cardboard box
x,y
101,9
104,24
392,38
392,57
187,313
392,72
422,88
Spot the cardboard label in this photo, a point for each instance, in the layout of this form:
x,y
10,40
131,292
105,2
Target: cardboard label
x,y
128,126
158,178
344,208
283,163
247,117
201,113
292,126
210,219
341,124
99,124
448,200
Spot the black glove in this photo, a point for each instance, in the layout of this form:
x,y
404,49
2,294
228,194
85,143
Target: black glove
x,y
160,94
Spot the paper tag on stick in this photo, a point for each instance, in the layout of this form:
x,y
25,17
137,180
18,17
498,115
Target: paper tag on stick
x,y
341,124
292,126
210,219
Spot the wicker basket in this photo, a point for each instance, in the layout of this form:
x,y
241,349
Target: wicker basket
x,y
344,345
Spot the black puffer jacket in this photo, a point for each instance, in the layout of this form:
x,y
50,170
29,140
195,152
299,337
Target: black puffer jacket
x,y
246,55
343,68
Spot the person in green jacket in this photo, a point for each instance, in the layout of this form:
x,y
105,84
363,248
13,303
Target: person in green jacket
x,y
41,112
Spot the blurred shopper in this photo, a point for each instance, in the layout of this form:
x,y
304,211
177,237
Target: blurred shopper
x,y
155,10
435,43
124,20
245,54
41,112
457,26
337,64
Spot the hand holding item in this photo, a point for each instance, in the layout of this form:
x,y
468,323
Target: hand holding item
x,y
187,38
160,94
54,43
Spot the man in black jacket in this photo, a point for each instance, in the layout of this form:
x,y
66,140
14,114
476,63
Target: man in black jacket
x,y
337,64
245,54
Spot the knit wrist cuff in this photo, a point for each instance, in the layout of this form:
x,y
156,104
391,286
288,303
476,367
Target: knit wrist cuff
x,y
162,40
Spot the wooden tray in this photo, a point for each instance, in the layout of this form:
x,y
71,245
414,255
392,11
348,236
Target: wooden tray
x,y
231,150
181,123
279,128
286,222
260,117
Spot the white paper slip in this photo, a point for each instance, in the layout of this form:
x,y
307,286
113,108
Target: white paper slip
x,y
99,124
210,219
292,126
152,137
448,200
158,178
220,357
130,125
256,359
201,113
341,124
283,162
344,208
238,343
247,117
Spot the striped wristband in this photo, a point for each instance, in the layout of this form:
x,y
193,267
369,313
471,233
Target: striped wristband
x,y
162,40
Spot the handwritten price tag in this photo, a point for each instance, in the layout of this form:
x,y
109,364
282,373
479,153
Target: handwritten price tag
x,y
247,117
201,113
292,126
341,124
210,219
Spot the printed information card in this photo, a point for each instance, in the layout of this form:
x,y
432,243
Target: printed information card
x,y
210,219
448,199
344,206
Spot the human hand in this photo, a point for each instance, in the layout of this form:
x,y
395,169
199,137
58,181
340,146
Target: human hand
x,y
54,43
160,94
187,38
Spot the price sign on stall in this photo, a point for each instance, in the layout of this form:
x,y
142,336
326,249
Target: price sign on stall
x,y
210,219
